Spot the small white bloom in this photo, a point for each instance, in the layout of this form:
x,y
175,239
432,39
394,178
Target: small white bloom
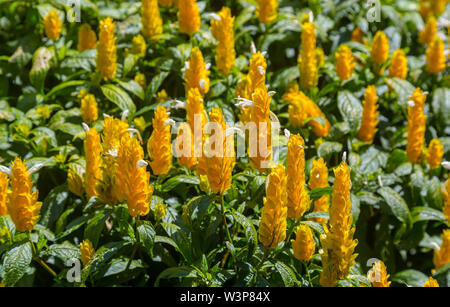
x,y
179,104
287,133
208,66
141,163
317,176
202,84
112,152
311,16
125,115
411,103
264,53
85,127
106,115
271,93
169,122
215,16
446,164
344,157
35,168
261,70
244,102
232,130
5,170
252,48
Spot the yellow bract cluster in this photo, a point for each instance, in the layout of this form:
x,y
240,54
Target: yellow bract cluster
x,y
267,10
159,145
89,109
308,61
416,126
151,19
442,255
93,173
106,50
303,245
52,25
378,275
87,251
4,181
319,179
222,30
87,39
188,16
369,120
435,56
344,62
196,74
399,65
435,153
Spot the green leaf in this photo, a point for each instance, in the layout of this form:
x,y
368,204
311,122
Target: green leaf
x,y
154,85
317,193
64,85
174,181
397,204
96,225
350,108
16,263
181,271
317,214
64,251
441,105
287,274
147,236
249,231
119,97
326,149
403,88
132,87
41,65
53,205
129,63
373,159
410,277
426,214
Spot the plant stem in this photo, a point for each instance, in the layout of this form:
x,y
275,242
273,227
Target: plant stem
x,y
307,273
225,220
136,245
36,257
266,253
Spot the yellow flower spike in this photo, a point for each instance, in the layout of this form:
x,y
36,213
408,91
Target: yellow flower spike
x,y
138,45
435,153
93,174
416,126
378,275
369,120
261,155
188,17
75,182
425,8
431,283
399,65
22,203
160,211
106,50
141,80
87,39
219,165
256,73
344,63
140,123
435,56
432,7
159,145
196,74
272,225
4,181
446,195
132,178
441,256
87,251
43,111
297,195
337,242
222,30
319,179
379,51
52,25
429,32
165,3
185,148
357,35
307,61
162,96
320,57
303,245
89,111
196,109
267,10
151,19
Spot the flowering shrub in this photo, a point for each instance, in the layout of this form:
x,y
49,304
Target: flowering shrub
x,y
224,143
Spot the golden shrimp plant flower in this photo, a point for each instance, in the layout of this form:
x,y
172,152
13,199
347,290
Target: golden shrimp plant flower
x,y
93,173
344,62
435,153
435,56
222,30
318,178
165,3
87,251
272,225
267,10
196,117
142,81
303,245
89,108
184,147
107,50
337,242
399,65
132,178
188,16
298,201
87,39
446,195
357,35
75,182
369,120
379,51
138,45
441,256
220,161
151,19
431,283
159,145
4,182
378,275
52,25
427,35
416,126
308,60
23,205
196,74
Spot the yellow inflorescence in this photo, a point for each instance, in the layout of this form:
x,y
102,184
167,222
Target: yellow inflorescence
x,y
159,145
87,251
267,10
52,25
337,242
87,39
429,32
165,3
222,30
188,16
308,60
196,74
92,149
435,56
184,149
378,275
272,225
319,179
4,181
431,283
297,195
89,110
357,35
106,50
151,20
75,182
442,255
379,51
138,45
142,81
446,195
344,62
416,126
399,65
303,245
369,120
22,203
435,153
